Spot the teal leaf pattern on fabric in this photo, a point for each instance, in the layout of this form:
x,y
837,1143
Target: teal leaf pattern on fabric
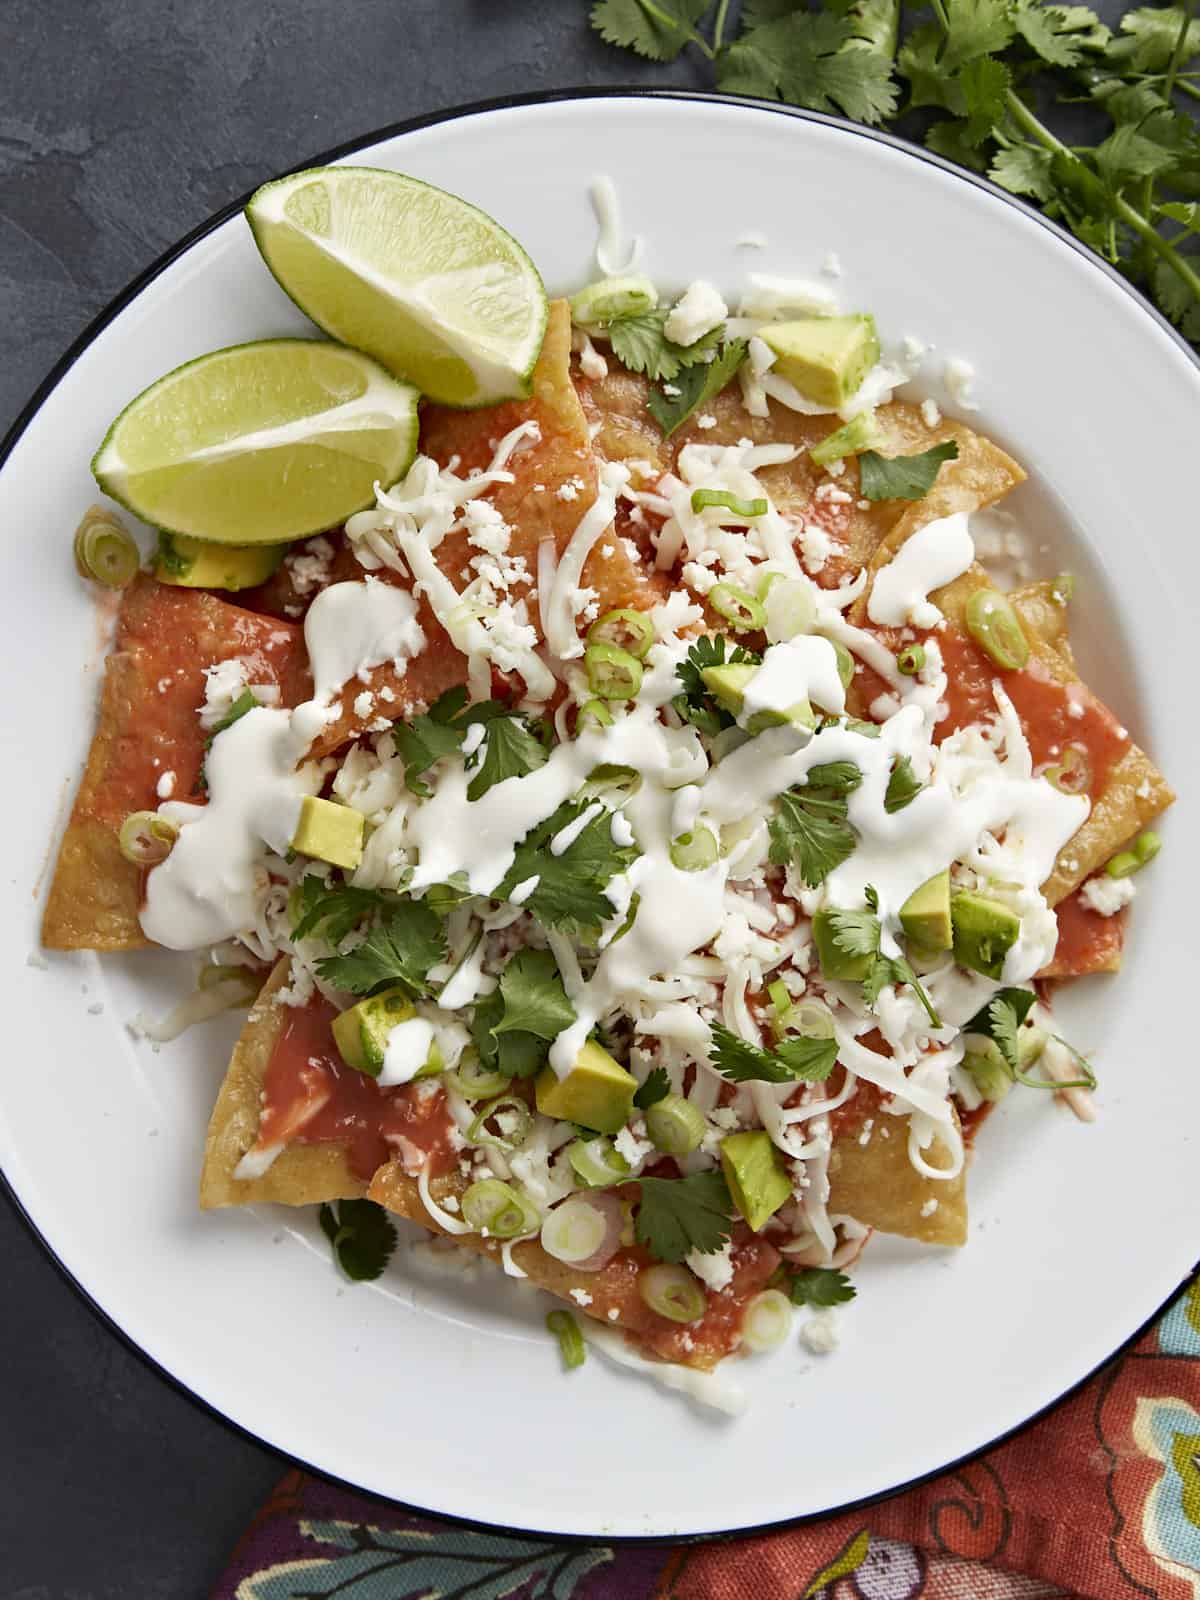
x,y
424,1564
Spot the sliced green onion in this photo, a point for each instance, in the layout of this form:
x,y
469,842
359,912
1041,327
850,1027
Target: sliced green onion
x,y
781,998
993,624
593,714
845,663
104,551
702,499
498,1210
596,1163
860,433
145,838
474,1081
611,299
613,673
812,1019
911,660
1144,848
675,1126
570,1341
578,1228
672,1292
694,851
790,607
768,1320
868,730
504,1139
740,609
627,629
241,979
1073,774
1062,588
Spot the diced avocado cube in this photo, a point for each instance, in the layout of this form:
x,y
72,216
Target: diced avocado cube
x,y
755,1174
826,358
860,433
329,832
925,915
596,1093
201,564
727,685
984,932
836,962
361,1033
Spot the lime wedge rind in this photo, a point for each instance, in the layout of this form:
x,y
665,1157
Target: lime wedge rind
x,y
300,473
451,302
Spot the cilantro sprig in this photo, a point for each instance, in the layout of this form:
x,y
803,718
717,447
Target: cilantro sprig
x,y
697,387
694,703
361,1235
400,949
514,1026
820,1287
656,1087
676,1215
981,67
1002,1019
858,933
809,828
797,1060
510,748
570,890
902,477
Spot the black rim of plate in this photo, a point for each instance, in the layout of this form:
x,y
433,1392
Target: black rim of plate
x,y
124,299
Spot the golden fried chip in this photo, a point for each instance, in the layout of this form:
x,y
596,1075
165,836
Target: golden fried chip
x,y
148,727
877,1185
301,1174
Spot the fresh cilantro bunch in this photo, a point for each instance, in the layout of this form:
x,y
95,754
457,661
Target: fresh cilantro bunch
x,y
979,80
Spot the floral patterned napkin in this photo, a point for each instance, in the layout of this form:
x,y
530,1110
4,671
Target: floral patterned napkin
x,y
1101,1499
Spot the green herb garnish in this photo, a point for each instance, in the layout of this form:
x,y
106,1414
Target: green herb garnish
x,y
798,1060
362,1237
820,1286
405,943
902,477
681,1214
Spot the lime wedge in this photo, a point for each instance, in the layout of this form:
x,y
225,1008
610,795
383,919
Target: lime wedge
x,y
260,443
424,282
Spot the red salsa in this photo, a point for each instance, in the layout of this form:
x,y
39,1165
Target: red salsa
x,y
1087,942
310,1096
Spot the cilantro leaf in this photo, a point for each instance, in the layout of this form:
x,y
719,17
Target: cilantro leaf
x,y
820,1286
796,1060
429,737
681,1214
640,343
330,909
658,30
1024,169
516,1054
902,477
1000,1019
406,942
570,889
810,831
903,787
1060,35
697,386
362,1237
838,777
510,750
856,933
977,28
656,1087
819,60
1148,38
535,1000
985,83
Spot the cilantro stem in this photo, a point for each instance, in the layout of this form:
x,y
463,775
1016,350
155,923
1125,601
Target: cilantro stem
x,y
1168,88
1030,124
673,25
719,28
1188,88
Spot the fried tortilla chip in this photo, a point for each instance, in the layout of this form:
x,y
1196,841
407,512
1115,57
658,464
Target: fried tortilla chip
x,y
612,1289
1087,942
616,407
877,1185
148,727
301,1174
555,481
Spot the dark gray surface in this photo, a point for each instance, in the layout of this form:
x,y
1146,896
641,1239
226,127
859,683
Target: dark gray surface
x,y
123,124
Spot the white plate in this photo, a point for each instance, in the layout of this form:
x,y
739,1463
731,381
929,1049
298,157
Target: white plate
x,y
447,1395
